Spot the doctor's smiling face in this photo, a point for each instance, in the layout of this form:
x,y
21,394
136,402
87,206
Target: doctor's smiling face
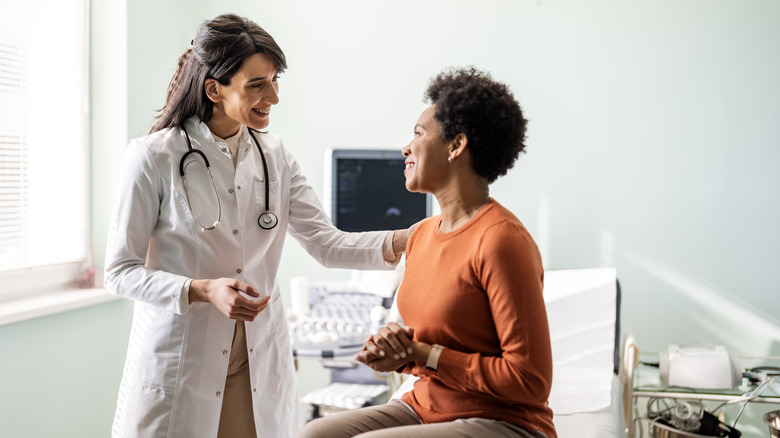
x,y
426,166
247,100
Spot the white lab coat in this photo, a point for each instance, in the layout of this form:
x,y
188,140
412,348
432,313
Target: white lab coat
x,y
177,356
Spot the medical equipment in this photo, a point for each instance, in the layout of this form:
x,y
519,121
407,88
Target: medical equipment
x,y
339,320
330,322
695,424
266,220
772,419
697,366
364,191
689,418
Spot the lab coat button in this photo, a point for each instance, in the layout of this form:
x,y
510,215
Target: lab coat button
x,y
239,187
251,350
219,393
235,231
230,190
238,271
224,149
225,352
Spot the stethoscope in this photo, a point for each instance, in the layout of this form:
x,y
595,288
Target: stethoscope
x,y
266,220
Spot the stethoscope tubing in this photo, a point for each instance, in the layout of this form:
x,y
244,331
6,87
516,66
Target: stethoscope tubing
x,y
266,220
192,150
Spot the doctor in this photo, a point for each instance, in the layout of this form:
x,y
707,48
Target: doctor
x,y
197,233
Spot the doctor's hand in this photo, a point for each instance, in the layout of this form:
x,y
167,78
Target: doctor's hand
x,y
224,294
400,237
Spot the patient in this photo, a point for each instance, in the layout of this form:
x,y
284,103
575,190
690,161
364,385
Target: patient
x,y
475,326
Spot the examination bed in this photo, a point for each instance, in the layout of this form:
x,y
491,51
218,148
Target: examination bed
x,y
583,309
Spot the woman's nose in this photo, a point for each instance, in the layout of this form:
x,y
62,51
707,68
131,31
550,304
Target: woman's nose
x,y
272,94
406,150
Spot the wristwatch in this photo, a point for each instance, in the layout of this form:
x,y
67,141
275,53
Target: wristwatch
x,y
433,358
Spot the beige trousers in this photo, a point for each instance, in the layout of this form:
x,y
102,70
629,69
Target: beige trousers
x,y
237,418
396,419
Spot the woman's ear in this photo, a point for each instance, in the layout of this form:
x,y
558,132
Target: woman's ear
x,y
211,87
457,146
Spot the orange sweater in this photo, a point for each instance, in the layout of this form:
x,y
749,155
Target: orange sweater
x,y
477,291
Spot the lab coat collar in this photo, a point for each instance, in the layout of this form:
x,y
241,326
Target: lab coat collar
x,y
198,127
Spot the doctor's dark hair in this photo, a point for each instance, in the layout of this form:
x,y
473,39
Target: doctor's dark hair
x,y
469,101
218,51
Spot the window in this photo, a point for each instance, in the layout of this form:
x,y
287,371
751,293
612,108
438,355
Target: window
x,y
44,171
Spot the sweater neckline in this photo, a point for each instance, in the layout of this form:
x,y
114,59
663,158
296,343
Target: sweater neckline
x,y
482,211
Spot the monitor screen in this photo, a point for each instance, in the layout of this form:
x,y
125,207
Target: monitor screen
x,y
366,191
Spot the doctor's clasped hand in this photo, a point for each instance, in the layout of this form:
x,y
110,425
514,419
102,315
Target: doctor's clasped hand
x,y
224,294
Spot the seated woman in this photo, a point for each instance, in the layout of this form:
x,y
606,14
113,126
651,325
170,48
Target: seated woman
x,y
475,325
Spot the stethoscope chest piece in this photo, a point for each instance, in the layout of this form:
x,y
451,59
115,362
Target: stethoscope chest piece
x,y
267,220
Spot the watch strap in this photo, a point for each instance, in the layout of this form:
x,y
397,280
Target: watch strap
x,y
432,363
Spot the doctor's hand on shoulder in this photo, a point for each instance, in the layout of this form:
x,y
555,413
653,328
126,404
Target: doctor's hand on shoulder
x,y
224,294
401,237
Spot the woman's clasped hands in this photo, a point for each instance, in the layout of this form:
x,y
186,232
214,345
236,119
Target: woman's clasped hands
x,y
392,347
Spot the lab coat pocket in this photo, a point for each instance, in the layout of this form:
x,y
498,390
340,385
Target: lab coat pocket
x,y
155,345
145,411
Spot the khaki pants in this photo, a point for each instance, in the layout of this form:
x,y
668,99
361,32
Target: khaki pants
x,y
385,421
237,419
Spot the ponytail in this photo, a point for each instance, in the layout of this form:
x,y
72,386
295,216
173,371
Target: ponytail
x,y
183,99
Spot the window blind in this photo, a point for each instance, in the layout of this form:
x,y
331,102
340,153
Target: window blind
x,y
43,133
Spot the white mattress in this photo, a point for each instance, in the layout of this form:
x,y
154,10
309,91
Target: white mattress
x,y
606,422
582,313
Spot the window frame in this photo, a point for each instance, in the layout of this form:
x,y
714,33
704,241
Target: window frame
x,y
29,282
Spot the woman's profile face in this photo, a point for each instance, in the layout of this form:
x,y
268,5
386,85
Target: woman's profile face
x,y
426,166
253,90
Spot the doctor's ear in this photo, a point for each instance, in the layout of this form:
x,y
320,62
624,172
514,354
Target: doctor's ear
x,y
212,90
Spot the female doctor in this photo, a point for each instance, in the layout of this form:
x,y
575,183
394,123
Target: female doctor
x,y
196,237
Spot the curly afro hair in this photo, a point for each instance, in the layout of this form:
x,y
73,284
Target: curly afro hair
x,y
469,101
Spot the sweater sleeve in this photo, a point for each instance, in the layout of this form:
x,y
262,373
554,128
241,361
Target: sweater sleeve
x,y
509,267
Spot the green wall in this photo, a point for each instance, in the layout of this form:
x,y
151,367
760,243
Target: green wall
x,y
60,373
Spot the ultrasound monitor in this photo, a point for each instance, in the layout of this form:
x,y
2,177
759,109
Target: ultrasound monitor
x,y
365,191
